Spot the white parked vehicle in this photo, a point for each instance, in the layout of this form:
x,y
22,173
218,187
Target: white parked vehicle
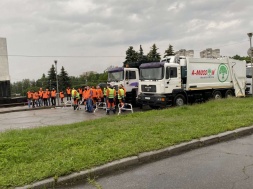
x,y
181,80
128,77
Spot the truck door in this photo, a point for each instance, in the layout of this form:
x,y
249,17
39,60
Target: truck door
x,y
172,79
131,80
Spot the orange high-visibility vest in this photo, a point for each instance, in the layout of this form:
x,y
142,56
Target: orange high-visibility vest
x,y
29,94
61,95
35,96
68,91
53,93
94,93
40,94
100,93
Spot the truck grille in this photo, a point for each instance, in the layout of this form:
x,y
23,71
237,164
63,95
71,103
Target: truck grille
x,y
148,88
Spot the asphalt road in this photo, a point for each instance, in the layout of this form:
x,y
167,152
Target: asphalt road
x,y
227,165
44,117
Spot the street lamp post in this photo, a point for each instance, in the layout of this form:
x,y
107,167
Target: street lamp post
x,y
250,36
57,92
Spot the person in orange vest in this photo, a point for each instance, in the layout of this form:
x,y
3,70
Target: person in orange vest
x,y
48,97
89,102
94,95
110,94
29,98
53,96
40,97
99,93
68,92
62,96
44,96
84,95
35,99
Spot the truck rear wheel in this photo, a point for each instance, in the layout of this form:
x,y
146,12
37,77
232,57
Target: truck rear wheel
x,y
217,95
229,93
179,100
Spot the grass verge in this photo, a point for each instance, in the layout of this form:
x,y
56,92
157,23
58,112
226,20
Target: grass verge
x,y
30,155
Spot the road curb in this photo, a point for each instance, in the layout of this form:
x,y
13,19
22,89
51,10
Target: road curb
x,y
141,158
28,109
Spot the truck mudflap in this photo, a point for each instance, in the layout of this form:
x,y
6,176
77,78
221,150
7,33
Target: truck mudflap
x,y
154,100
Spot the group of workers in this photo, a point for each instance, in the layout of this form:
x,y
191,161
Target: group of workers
x,y
87,96
43,98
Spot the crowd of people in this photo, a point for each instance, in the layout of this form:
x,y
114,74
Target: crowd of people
x,y
88,96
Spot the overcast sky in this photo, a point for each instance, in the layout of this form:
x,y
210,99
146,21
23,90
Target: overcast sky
x,y
95,34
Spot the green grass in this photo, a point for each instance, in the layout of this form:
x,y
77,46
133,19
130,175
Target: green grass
x,y
30,155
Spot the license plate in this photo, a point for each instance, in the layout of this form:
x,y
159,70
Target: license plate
x,y
147,98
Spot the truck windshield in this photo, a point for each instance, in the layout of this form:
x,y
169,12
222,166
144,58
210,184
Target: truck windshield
x,y
151,73
115,76
248,72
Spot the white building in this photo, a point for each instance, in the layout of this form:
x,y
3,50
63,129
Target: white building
x,y
4,69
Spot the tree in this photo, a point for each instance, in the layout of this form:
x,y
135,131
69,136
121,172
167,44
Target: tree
x,y
42,82
141,57
64,80
169,51
131,56
237,57
51,82
153,55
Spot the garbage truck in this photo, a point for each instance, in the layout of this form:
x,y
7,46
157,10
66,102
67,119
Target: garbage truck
x,y
176,81
128,76
249,79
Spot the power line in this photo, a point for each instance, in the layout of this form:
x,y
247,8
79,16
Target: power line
x,y
92,56
60,56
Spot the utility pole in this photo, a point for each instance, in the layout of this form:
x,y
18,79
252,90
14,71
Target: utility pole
x,y
250,36
57,89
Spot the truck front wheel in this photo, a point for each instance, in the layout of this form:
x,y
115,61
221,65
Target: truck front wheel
x,y
179,100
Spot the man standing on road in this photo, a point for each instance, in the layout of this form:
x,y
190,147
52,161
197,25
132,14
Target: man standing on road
x,y
68,92
29,98
53,95
110,94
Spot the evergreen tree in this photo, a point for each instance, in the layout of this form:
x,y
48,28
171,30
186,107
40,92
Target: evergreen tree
x,y
141,57
131,56
169,51
153,55
64,80
42,82
51,80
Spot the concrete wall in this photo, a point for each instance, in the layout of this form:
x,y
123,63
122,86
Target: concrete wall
x,y
4,70
4,65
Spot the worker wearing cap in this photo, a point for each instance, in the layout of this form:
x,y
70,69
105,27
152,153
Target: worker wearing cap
x,y
110,94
